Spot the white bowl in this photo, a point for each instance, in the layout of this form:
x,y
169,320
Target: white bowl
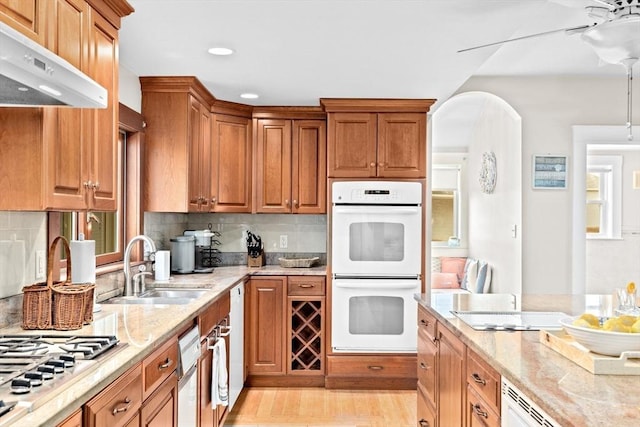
x,y
602,342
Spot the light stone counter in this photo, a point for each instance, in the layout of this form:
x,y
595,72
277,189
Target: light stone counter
x,y
143,328
567,392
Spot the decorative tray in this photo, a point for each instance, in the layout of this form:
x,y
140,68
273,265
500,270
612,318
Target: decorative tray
x,y
628,363
297,262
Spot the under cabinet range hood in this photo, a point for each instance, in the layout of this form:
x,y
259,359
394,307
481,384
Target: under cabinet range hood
x,y
32,76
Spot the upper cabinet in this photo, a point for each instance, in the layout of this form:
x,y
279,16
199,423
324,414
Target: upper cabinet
x,y
230,175
290,169
66,158
177,144
197,146
26,16
377,138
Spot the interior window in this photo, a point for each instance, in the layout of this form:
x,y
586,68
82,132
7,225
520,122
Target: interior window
x,y
604,197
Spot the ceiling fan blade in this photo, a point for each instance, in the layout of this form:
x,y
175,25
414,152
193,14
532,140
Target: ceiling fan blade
x,y
572,30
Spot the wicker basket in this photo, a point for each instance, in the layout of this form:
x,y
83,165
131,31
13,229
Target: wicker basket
x,y
297,262
60,305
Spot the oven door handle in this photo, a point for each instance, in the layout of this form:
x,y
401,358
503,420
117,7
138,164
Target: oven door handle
x,y
375,284
373,209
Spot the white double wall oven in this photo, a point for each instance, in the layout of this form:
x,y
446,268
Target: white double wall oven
x,y
376,262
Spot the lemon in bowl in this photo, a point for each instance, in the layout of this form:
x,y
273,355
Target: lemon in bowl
x,y
609,342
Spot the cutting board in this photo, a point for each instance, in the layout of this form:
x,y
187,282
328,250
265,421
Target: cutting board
x,y
597,364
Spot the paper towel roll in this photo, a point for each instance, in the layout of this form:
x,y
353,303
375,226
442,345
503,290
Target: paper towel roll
x,y
83,261
163,265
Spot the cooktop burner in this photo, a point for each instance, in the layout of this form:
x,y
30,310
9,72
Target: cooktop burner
x,y
35,368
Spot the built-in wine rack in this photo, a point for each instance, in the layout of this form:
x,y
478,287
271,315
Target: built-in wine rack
x,y
306,336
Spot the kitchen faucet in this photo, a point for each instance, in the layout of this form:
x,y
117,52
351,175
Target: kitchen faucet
x,y
128,288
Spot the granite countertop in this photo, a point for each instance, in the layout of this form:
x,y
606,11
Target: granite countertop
x,y
568,393
142,328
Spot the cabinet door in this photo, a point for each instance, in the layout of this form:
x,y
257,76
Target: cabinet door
x,y
195,195
273,166
451,379
427,368
67,131
426,412
309,167
266,325
26,16
402,145
204,141
73,420
352,145
208,417
230,164
103,155
161,409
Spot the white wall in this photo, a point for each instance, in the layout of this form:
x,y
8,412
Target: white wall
x,y
129,91
549,106
492,217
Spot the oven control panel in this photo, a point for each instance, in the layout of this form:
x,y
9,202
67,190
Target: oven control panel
x,y
377,192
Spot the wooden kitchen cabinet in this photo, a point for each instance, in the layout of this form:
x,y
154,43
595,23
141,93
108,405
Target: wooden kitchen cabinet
x,y
231,157
71,154
483,393
26,16
214,316
177,138
290,147
161,408
374,138
451,378
73,420
305,331
266,325
426,411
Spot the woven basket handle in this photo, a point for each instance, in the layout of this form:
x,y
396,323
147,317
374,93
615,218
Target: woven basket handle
x,y
51,260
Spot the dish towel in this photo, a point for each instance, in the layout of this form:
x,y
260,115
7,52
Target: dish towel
x,y
219,376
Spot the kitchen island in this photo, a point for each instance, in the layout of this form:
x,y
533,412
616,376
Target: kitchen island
x,y
571,395
141,329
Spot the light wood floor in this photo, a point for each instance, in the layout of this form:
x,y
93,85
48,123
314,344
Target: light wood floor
x,y
315,407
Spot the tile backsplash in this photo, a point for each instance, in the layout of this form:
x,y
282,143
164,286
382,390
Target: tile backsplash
x,y
22,235
305,233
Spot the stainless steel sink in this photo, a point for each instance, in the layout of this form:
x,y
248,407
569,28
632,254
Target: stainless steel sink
x,y
157,296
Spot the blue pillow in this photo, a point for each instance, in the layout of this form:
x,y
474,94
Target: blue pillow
x,y
484,278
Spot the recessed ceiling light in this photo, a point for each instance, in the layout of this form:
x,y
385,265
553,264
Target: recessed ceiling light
x,y
220,51
249,96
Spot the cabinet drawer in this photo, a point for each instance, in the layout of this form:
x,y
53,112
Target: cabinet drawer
x,y
372,366
213,314
426,322
305,285
426,412
484,380
427,355
479,413
159,365
118,403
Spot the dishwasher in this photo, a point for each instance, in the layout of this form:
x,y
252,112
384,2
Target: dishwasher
x,y
236,344
189,347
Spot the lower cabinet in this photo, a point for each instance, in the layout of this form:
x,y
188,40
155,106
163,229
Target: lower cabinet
x,y
73,420
285,331
212,322
456,387
144,396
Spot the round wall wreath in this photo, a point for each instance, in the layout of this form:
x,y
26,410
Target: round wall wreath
x,y
488,172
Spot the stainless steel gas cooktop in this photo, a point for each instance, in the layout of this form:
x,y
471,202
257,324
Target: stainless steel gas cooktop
x,y
34,368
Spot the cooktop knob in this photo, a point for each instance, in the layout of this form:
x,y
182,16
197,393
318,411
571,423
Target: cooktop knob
x,y
35,378
20,386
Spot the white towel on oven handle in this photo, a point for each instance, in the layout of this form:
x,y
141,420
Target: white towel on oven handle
x,y
219,375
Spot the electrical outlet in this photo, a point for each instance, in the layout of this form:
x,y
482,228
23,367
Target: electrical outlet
x,y
284,241
41,264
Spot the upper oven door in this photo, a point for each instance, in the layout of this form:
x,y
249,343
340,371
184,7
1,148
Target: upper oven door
x,y
376,240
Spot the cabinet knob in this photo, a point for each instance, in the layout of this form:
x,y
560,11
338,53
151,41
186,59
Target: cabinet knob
x,y
295,203
213,200
372,164
87,184
95,185
286,202
381,164
124,408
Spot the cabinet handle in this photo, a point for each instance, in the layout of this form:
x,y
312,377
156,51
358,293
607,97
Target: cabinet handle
x,y
295,203
423,423
478,411
125,408
381,164
87,184
306,286
165,365
95,186
478,379
213,200
286,202
424,322
424,366
375,367
372,164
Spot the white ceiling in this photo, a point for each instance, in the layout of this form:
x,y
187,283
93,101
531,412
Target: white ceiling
x,y
293,52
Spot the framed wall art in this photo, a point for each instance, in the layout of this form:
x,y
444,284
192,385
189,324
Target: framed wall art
x,y
549,171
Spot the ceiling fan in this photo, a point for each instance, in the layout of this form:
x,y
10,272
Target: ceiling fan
x,y
615,36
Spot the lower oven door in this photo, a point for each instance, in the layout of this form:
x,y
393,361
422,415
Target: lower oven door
x,y
374,315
